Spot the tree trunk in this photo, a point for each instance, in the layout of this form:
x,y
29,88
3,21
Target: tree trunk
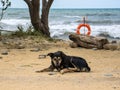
x,y
88,41
40,24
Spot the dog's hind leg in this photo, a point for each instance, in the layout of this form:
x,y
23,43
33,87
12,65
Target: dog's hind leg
x,y
81,67
85,69
49,69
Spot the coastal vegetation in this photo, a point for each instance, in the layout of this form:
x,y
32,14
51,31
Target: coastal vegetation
x,y
5,5
25,38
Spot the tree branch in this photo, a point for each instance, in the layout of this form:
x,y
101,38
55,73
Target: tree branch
x,y
44,16
44,3
36,9
28,3
49,4
5,5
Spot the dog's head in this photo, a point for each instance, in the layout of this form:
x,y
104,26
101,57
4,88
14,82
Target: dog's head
x,y
57,58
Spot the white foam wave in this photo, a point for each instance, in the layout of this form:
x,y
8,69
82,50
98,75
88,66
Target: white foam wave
x,y
11,24
58,30
15,21
112,30
73,17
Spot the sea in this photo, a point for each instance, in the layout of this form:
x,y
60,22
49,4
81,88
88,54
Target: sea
x,y
63,22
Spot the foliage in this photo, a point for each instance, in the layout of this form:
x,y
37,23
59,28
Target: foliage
x,y
21,32
29,32
5,5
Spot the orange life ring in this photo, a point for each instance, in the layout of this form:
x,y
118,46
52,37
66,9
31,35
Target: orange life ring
x,y
83,25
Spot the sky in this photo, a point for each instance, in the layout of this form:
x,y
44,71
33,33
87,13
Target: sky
x,y
74,4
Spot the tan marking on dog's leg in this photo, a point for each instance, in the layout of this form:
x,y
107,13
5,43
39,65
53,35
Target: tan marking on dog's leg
x,y
45,70
68,70
73,69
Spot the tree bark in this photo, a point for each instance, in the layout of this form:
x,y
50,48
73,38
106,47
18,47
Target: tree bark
x,y
40,24
88,41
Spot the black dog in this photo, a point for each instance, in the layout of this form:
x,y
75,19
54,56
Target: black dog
x,y
64,63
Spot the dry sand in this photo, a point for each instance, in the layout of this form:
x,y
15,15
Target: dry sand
x,y
17,70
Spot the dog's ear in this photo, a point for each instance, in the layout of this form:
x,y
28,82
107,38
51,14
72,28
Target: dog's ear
x,y
50,54
62,54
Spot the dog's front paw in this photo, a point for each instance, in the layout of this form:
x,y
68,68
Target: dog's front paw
x,y
39,71
62,72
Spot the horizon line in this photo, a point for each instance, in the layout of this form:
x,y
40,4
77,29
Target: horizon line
x,y
63,8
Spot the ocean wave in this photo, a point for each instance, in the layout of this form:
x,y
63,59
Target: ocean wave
x,y
101,14
67,22
15,21
13,14
66,16
61,30
100,22
11,24
24,17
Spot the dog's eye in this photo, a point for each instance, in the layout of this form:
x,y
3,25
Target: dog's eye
x,y
59,58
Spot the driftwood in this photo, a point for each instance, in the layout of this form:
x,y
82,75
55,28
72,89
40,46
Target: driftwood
x,y
111,46
88,41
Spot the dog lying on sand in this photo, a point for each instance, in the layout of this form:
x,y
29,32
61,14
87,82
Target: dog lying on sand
x,y
64,63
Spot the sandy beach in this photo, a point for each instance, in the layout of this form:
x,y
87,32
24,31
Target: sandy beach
x,y
17,70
